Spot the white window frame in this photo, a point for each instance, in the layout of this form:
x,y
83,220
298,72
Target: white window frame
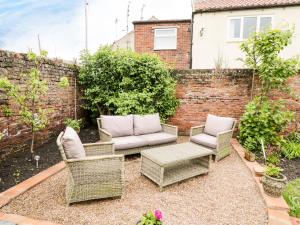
x,y
165,28
258,17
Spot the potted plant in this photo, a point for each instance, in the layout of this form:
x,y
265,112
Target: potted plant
x,y
151,218
250,156
273,181
75,124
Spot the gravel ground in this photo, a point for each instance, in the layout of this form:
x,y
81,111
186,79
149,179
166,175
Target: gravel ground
x,y
227,195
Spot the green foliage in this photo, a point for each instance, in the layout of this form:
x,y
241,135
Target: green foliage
x,y
63,82
291,195
262,55
6,110
290,149
263,120
123,82
75,124
28,96
273,171
273,159
149,219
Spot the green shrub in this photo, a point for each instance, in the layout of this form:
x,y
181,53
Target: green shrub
x,y
123,82
291,195
75,124
294,137
263,120
273,171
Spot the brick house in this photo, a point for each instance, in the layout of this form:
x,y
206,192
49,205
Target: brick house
x,y
170,39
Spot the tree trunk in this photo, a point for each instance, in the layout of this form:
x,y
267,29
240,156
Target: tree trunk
x,y
252,85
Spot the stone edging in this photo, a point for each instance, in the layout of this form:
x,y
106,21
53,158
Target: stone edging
x,y
15,191
277,207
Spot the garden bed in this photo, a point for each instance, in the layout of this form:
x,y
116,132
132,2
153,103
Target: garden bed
x,y
291,168
16,167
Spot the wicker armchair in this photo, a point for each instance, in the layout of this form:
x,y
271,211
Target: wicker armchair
x,y
222,147
99,175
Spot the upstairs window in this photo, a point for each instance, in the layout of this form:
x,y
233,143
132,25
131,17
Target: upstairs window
x,y
241,28
165,38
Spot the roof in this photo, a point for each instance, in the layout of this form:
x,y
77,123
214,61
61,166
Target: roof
x,y
224,5
162,21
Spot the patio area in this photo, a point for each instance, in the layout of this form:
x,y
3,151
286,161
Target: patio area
x,y
228,195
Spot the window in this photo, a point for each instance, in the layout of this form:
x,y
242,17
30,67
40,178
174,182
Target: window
x,y
242,27
165,38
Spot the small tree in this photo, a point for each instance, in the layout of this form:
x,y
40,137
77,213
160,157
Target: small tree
x,y
28,97
266,118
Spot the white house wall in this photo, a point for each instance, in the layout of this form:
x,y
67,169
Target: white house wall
x,y
214,44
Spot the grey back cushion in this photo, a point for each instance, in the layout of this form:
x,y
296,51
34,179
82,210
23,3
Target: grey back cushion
x,y
146,124
217,124
72,144
118,126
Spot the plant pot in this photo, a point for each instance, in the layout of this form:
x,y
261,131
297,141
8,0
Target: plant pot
x,y
274,186
249,156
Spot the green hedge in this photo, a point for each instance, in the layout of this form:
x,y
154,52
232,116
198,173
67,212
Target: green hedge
x,y
122,82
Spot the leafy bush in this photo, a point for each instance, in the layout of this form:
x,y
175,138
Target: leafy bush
x,y
291,195
123,82
273,171
75,124
273,159
263,120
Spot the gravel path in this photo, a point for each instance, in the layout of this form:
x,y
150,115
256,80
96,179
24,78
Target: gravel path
x,y
227,195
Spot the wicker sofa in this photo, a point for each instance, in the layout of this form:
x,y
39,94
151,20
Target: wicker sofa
x,y
94,174
133,133
215,135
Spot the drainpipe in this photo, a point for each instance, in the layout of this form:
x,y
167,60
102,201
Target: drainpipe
x,y
191,47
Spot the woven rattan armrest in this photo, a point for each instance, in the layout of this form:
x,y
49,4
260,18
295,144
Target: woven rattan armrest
x,y
197,130
97,149
170,129
104,135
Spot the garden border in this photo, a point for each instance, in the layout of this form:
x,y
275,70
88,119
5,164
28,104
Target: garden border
x,y
15,191
277,207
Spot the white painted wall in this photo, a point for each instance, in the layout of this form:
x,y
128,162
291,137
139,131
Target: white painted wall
x,y
126,42
214,41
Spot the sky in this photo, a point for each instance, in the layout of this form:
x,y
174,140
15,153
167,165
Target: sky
x,y
60,24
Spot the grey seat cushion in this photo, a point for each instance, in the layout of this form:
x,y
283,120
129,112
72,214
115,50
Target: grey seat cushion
x,y
146,124
72,144
217,124
158,138
117,126
205,140
128,142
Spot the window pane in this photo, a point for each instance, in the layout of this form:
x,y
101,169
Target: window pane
x,y
249,26
265,23
165,43
165,32
235,28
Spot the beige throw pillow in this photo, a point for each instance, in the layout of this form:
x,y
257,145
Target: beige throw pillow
x,y
146,124
118,126
72,144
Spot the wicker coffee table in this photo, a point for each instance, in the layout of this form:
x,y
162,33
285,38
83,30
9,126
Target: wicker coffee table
x,y
171,164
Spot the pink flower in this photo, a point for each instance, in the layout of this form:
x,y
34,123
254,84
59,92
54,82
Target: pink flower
x,y
158,214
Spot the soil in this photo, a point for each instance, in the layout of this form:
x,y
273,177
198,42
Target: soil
x,y
291,168
18,167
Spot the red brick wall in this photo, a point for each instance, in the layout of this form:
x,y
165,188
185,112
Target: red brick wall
x,y
144,42
201,92
18,135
